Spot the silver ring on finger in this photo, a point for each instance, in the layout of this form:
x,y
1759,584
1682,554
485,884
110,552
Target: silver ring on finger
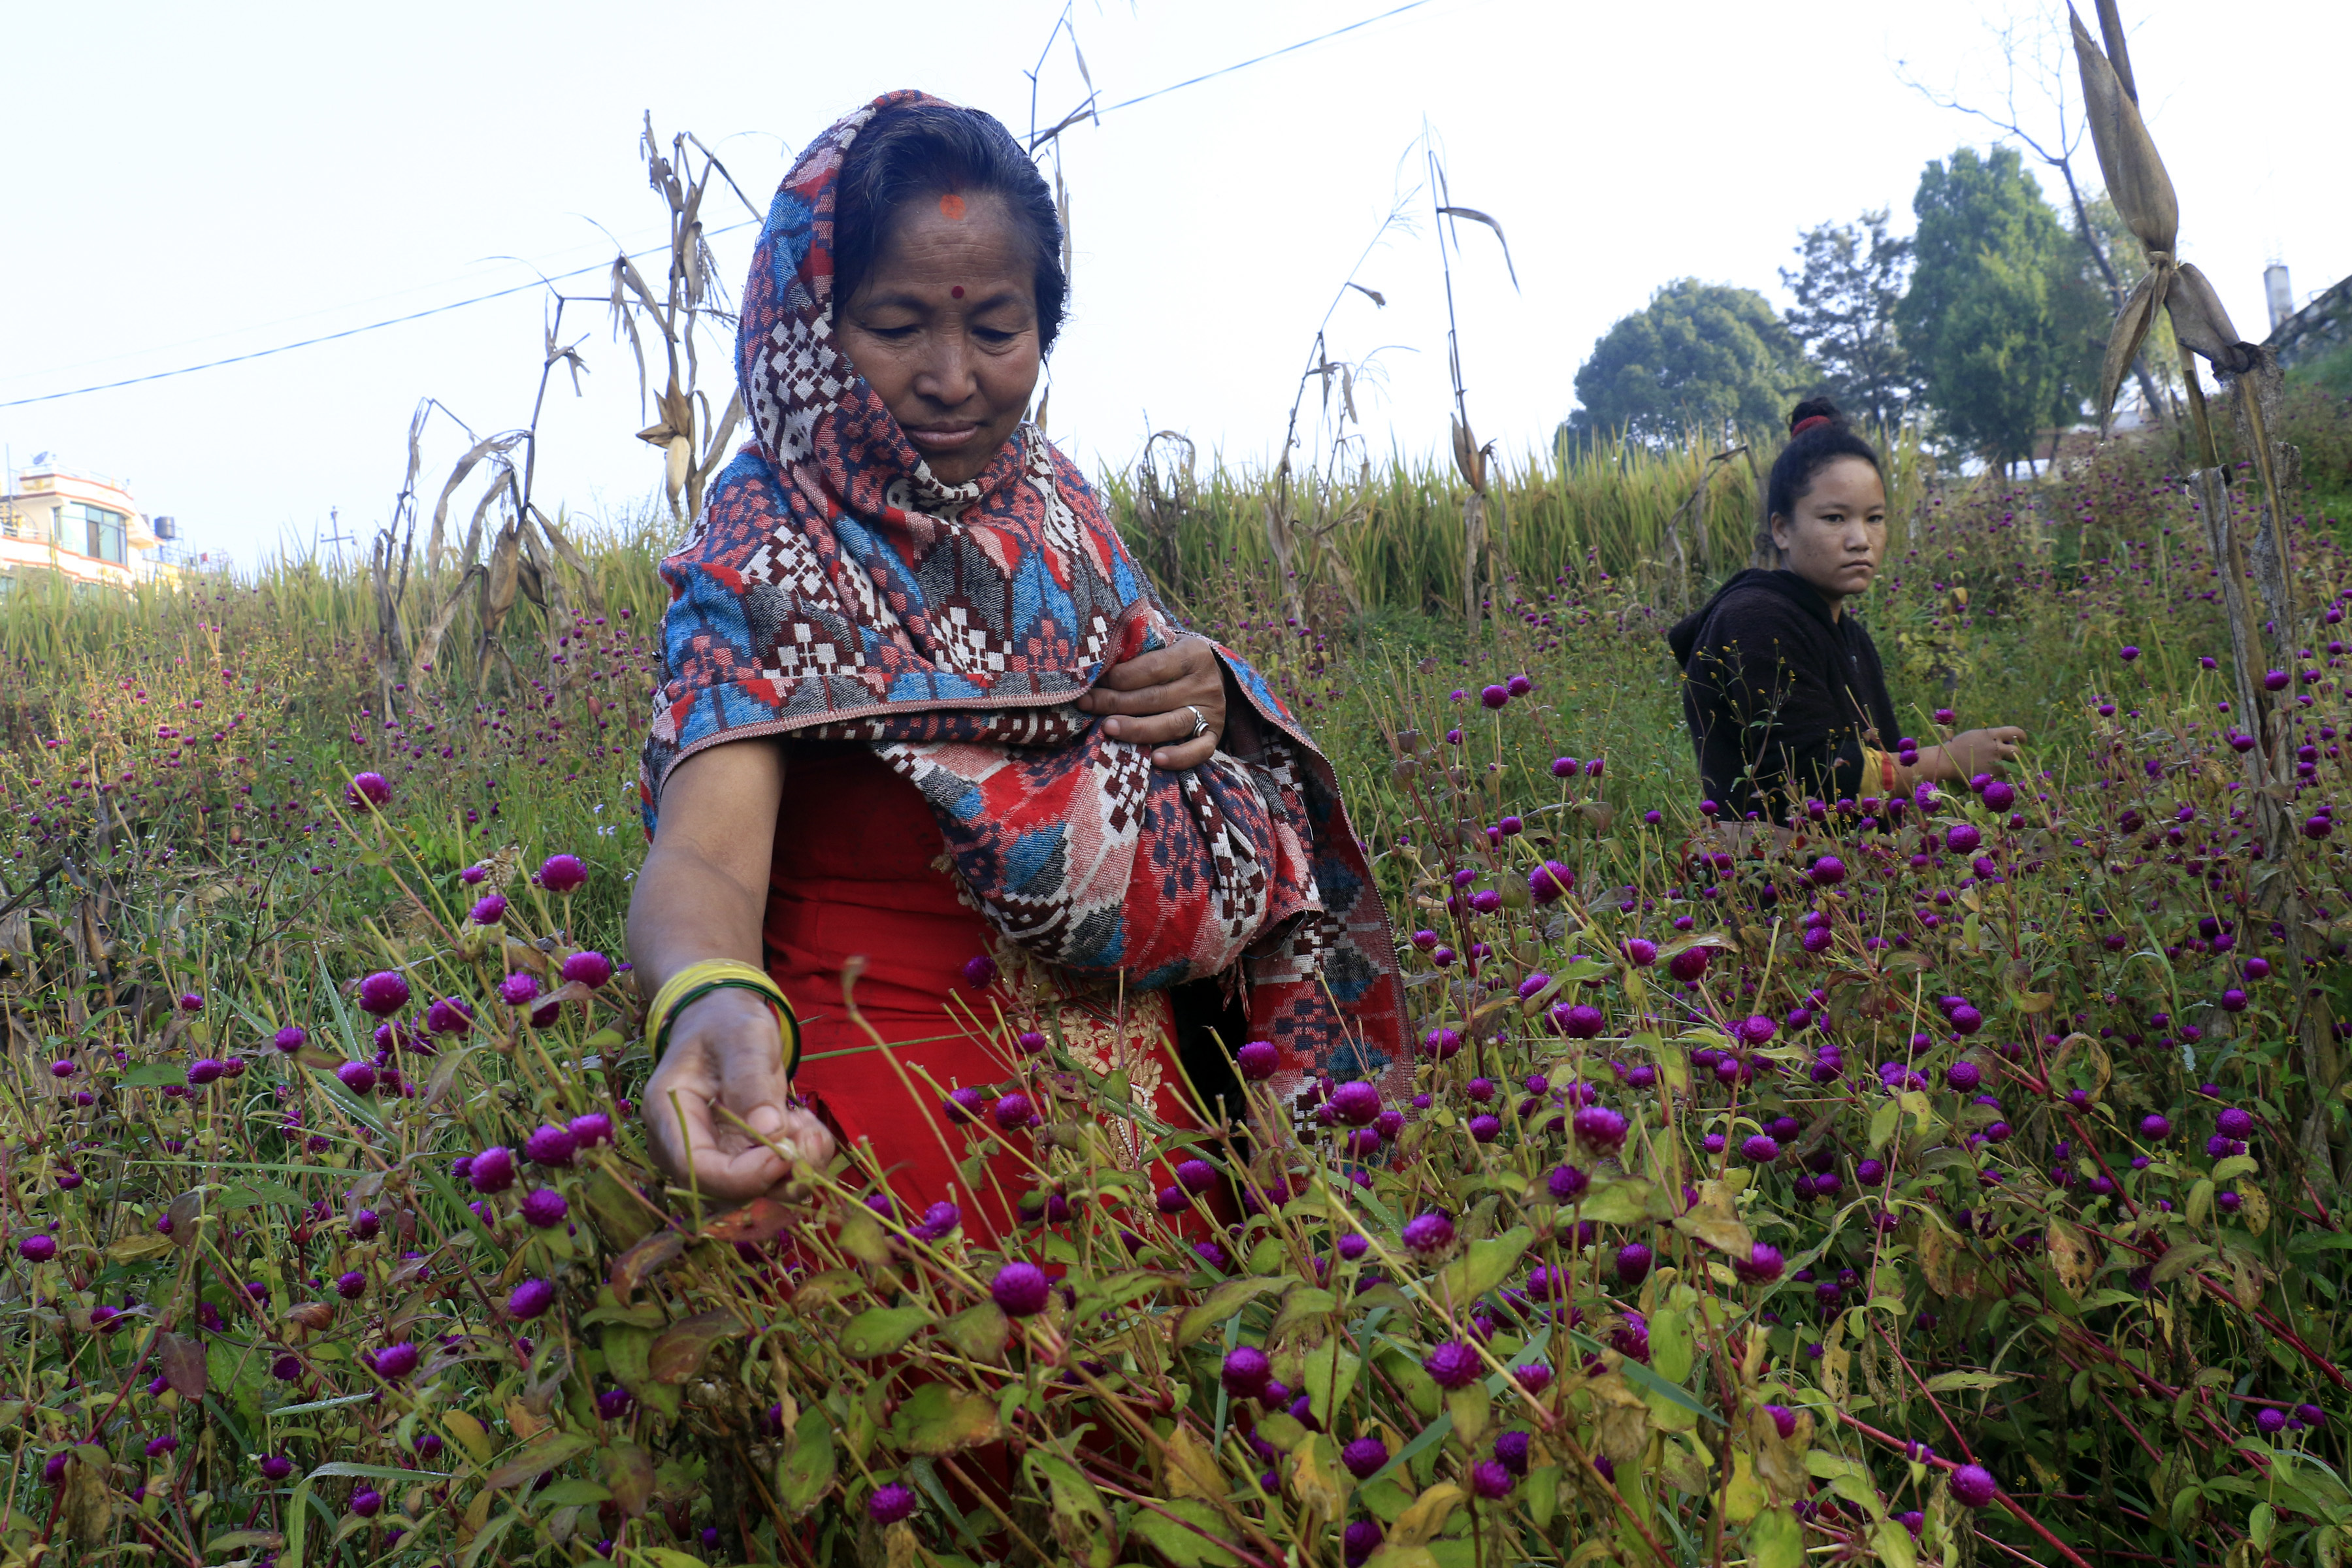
x,y
1200,724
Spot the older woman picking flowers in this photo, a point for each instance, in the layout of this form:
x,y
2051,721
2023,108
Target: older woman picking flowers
x,y
926,726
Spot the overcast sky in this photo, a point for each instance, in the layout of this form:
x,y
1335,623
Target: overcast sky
x,y
187,183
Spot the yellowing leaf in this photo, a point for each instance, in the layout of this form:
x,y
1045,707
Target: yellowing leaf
x,y
1420,1522
1776,1540
470,1434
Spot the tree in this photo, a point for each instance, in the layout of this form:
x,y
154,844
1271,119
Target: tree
x,y
1698,357
1847,291
1998,315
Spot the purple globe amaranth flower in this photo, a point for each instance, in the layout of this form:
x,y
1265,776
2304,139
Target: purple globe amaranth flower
x,y
2233,1000
1641,952
980,972
588,968
939,1220
1690,963
1784,1420
551,1145
1511,1452
2155,1126
544,1208
2274,680
1551,882
1965,1019
1494,696
493,1170
1829,872
1258,1060
1353,1247
1364,1456
2234,1122
1441,1042
1196,1175
1485,1129
1761,1266
204,1070
1013,1112
1759,1149
394,1361
890,1504
450,1015
352,1284
1579,1021
2318,827
1428,1232
38,1248
277,1467
1492,1479
2127,653
964,1104
383,993
1999,795
290,1038
62,1068
1356,1104
1019,1290
518,989
1634,1261
365,1223
1973,1485
614,1404
592,1127
1360,1540
1486,900
1453,1364
367,1503
2269,1422
489,909
368,791
1598,1127
1964,1075
563,873
1962,839
1245,1371
1567,1183
357,1077
530,1297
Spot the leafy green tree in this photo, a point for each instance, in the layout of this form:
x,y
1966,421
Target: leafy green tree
x,y
1847,290
1698,358
1998,315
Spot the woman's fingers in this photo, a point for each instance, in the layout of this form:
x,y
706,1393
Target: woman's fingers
x,y
1189,754
721,1097
1172,729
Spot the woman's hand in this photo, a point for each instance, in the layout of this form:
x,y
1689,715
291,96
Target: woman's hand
x,y
726,1055
1974,752
1150,699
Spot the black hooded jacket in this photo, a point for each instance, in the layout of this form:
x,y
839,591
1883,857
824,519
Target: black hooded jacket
x,y
1780,697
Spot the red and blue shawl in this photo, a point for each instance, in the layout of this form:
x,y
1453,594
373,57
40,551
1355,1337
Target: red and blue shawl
x,y
832,588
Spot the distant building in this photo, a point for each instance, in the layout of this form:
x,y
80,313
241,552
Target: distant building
x,y
2320,328
81,525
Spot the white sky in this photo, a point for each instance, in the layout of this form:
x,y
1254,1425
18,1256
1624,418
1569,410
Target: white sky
x,y
189,183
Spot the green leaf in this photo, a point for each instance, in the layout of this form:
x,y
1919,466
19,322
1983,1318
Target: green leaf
x,y
1182,1547
879,1331
678,1352
1949,1381
939,1418
480,1545
2200,1202
1284,1430
1671,1353
1631,1202
1220,1304
2179,1260
1894,1544
385,1472
541,1456
1330,1373
979,1333
1081,1518
1776,1540
2236,1166
1300,1304
1483,1266
805,1472
1881,1123
571,1492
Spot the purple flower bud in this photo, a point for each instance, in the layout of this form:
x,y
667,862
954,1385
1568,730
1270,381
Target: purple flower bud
x,y
1962,839
890,1504
1491,1479
562,873
2274,680
489,909
544,1208
1829,872
518,989
1364,1456
551,1145
351,1286
1634,1261
357,1077
1760,1267
383,993
1258,1060
367,1503
1641,952
365,1223
2233,1000
530,1297
1494,696
1019,1290
1579,1021
38,1248
592,1129
1358,1540
1549,882
290,1038
395,1362
1356,1103
980,972
277,1467
1964,1075
1598,1127
2234,1122
589,969
1973,1485
1429,1233
2155,1126
450,1015
208,1069
368,791
1013,1112
1567,1183
1245,1371
1759,1149
1453,1364
493,1170
1784,1420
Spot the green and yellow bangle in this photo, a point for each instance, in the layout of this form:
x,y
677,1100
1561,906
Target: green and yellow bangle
x,y
695,981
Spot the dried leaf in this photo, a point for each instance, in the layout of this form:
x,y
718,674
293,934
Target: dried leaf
x,y
2201,323
181,1357
2135,179
2123,346
537,1459
2071,1258
678,1352
650,1256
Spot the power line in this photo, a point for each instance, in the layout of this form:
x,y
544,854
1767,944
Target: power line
x,y
1261,59
599,266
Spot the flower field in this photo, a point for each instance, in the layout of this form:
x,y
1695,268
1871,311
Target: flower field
x,y
1961,1183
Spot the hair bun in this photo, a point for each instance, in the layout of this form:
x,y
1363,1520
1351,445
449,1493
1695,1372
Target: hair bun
x,y
1814,408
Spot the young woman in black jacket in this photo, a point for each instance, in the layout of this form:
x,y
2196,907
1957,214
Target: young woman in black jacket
x,y
1783,691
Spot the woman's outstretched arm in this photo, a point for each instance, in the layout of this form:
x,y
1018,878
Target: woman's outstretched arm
x,y
700,895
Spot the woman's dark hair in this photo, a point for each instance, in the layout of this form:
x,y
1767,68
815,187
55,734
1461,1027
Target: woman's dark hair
x,y
929,149
1818,437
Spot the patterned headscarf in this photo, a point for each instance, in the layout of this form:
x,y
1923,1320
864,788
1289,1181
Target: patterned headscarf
x,y
833,588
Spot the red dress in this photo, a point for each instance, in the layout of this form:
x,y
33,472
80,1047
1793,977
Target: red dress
x,y
858,870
